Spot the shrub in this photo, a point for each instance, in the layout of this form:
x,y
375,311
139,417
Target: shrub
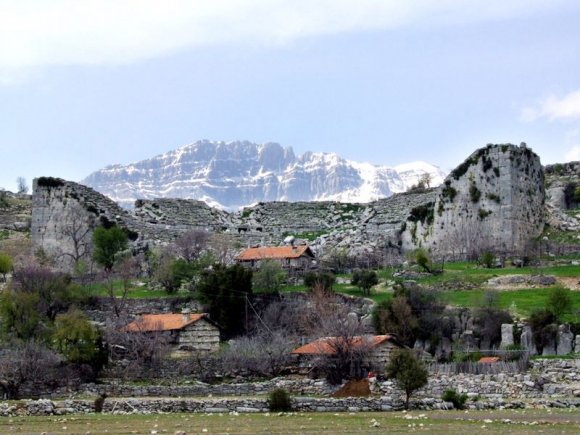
x,y
483,213
493,197
423,213
474,193
5,264
49,182
559,302
454,397
279,400
323,279
486,259
449,192
423,260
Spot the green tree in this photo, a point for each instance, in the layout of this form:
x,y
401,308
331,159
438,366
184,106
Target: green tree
x,y
559,302
408,371
365,279
224,291
270,277
108,243
5,264
76,338
20,315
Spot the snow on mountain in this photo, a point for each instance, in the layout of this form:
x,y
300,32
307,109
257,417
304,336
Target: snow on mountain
x,y
236,174
412,172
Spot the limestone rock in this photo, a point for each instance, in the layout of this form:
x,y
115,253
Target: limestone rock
x,y
526,340
507,335
565,337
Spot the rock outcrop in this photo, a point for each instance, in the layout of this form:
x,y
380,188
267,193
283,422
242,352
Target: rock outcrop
x,y
493,201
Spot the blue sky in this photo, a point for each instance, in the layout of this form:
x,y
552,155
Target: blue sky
x,y
84,84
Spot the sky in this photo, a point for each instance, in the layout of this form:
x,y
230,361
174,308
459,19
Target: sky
x,y
88,83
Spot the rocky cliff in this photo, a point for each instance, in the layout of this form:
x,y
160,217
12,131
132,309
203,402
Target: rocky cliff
x,y
493,201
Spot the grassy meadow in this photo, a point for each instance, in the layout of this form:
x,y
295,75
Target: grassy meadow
x,y
451,422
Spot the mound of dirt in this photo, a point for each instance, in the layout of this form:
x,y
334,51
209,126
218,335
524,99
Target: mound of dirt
x,y
354,388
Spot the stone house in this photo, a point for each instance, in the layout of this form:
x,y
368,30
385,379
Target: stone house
x,y
379,348
187,333
290,257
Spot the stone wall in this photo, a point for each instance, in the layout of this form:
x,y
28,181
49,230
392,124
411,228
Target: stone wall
x,y
255,405
201,336
548,383
101,308
544,379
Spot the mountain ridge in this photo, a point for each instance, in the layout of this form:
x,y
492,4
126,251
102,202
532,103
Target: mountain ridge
x,y
239,173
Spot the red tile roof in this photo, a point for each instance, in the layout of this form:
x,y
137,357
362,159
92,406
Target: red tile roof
x,y
274,253
489,359
162,322
324,345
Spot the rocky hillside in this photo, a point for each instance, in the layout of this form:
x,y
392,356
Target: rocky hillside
x,y
494,200
563,203
236,174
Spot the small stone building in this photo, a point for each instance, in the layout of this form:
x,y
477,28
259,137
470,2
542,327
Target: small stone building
x,y
290,257
379,346
187,332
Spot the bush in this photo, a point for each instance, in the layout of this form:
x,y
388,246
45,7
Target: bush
x,y
474,193
559,302
5,264
279,400
487,259
454,397
325,280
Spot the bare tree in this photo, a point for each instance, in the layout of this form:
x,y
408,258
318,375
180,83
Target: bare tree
x,y
265,354
21,186
79,234
28,363
345,335
191,244
137,354
224,248
125,269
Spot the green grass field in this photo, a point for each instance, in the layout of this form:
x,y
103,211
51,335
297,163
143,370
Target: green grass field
x,y
451,422
457,275
460,275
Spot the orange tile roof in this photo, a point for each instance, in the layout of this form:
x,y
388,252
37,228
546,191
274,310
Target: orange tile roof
x,y
489,359
323,346
274,253
162,322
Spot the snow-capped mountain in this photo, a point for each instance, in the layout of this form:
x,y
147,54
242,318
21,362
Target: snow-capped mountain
x,y
236,174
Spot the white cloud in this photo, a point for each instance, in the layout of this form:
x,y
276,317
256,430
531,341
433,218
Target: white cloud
x,y
39,33
554,108
573,154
